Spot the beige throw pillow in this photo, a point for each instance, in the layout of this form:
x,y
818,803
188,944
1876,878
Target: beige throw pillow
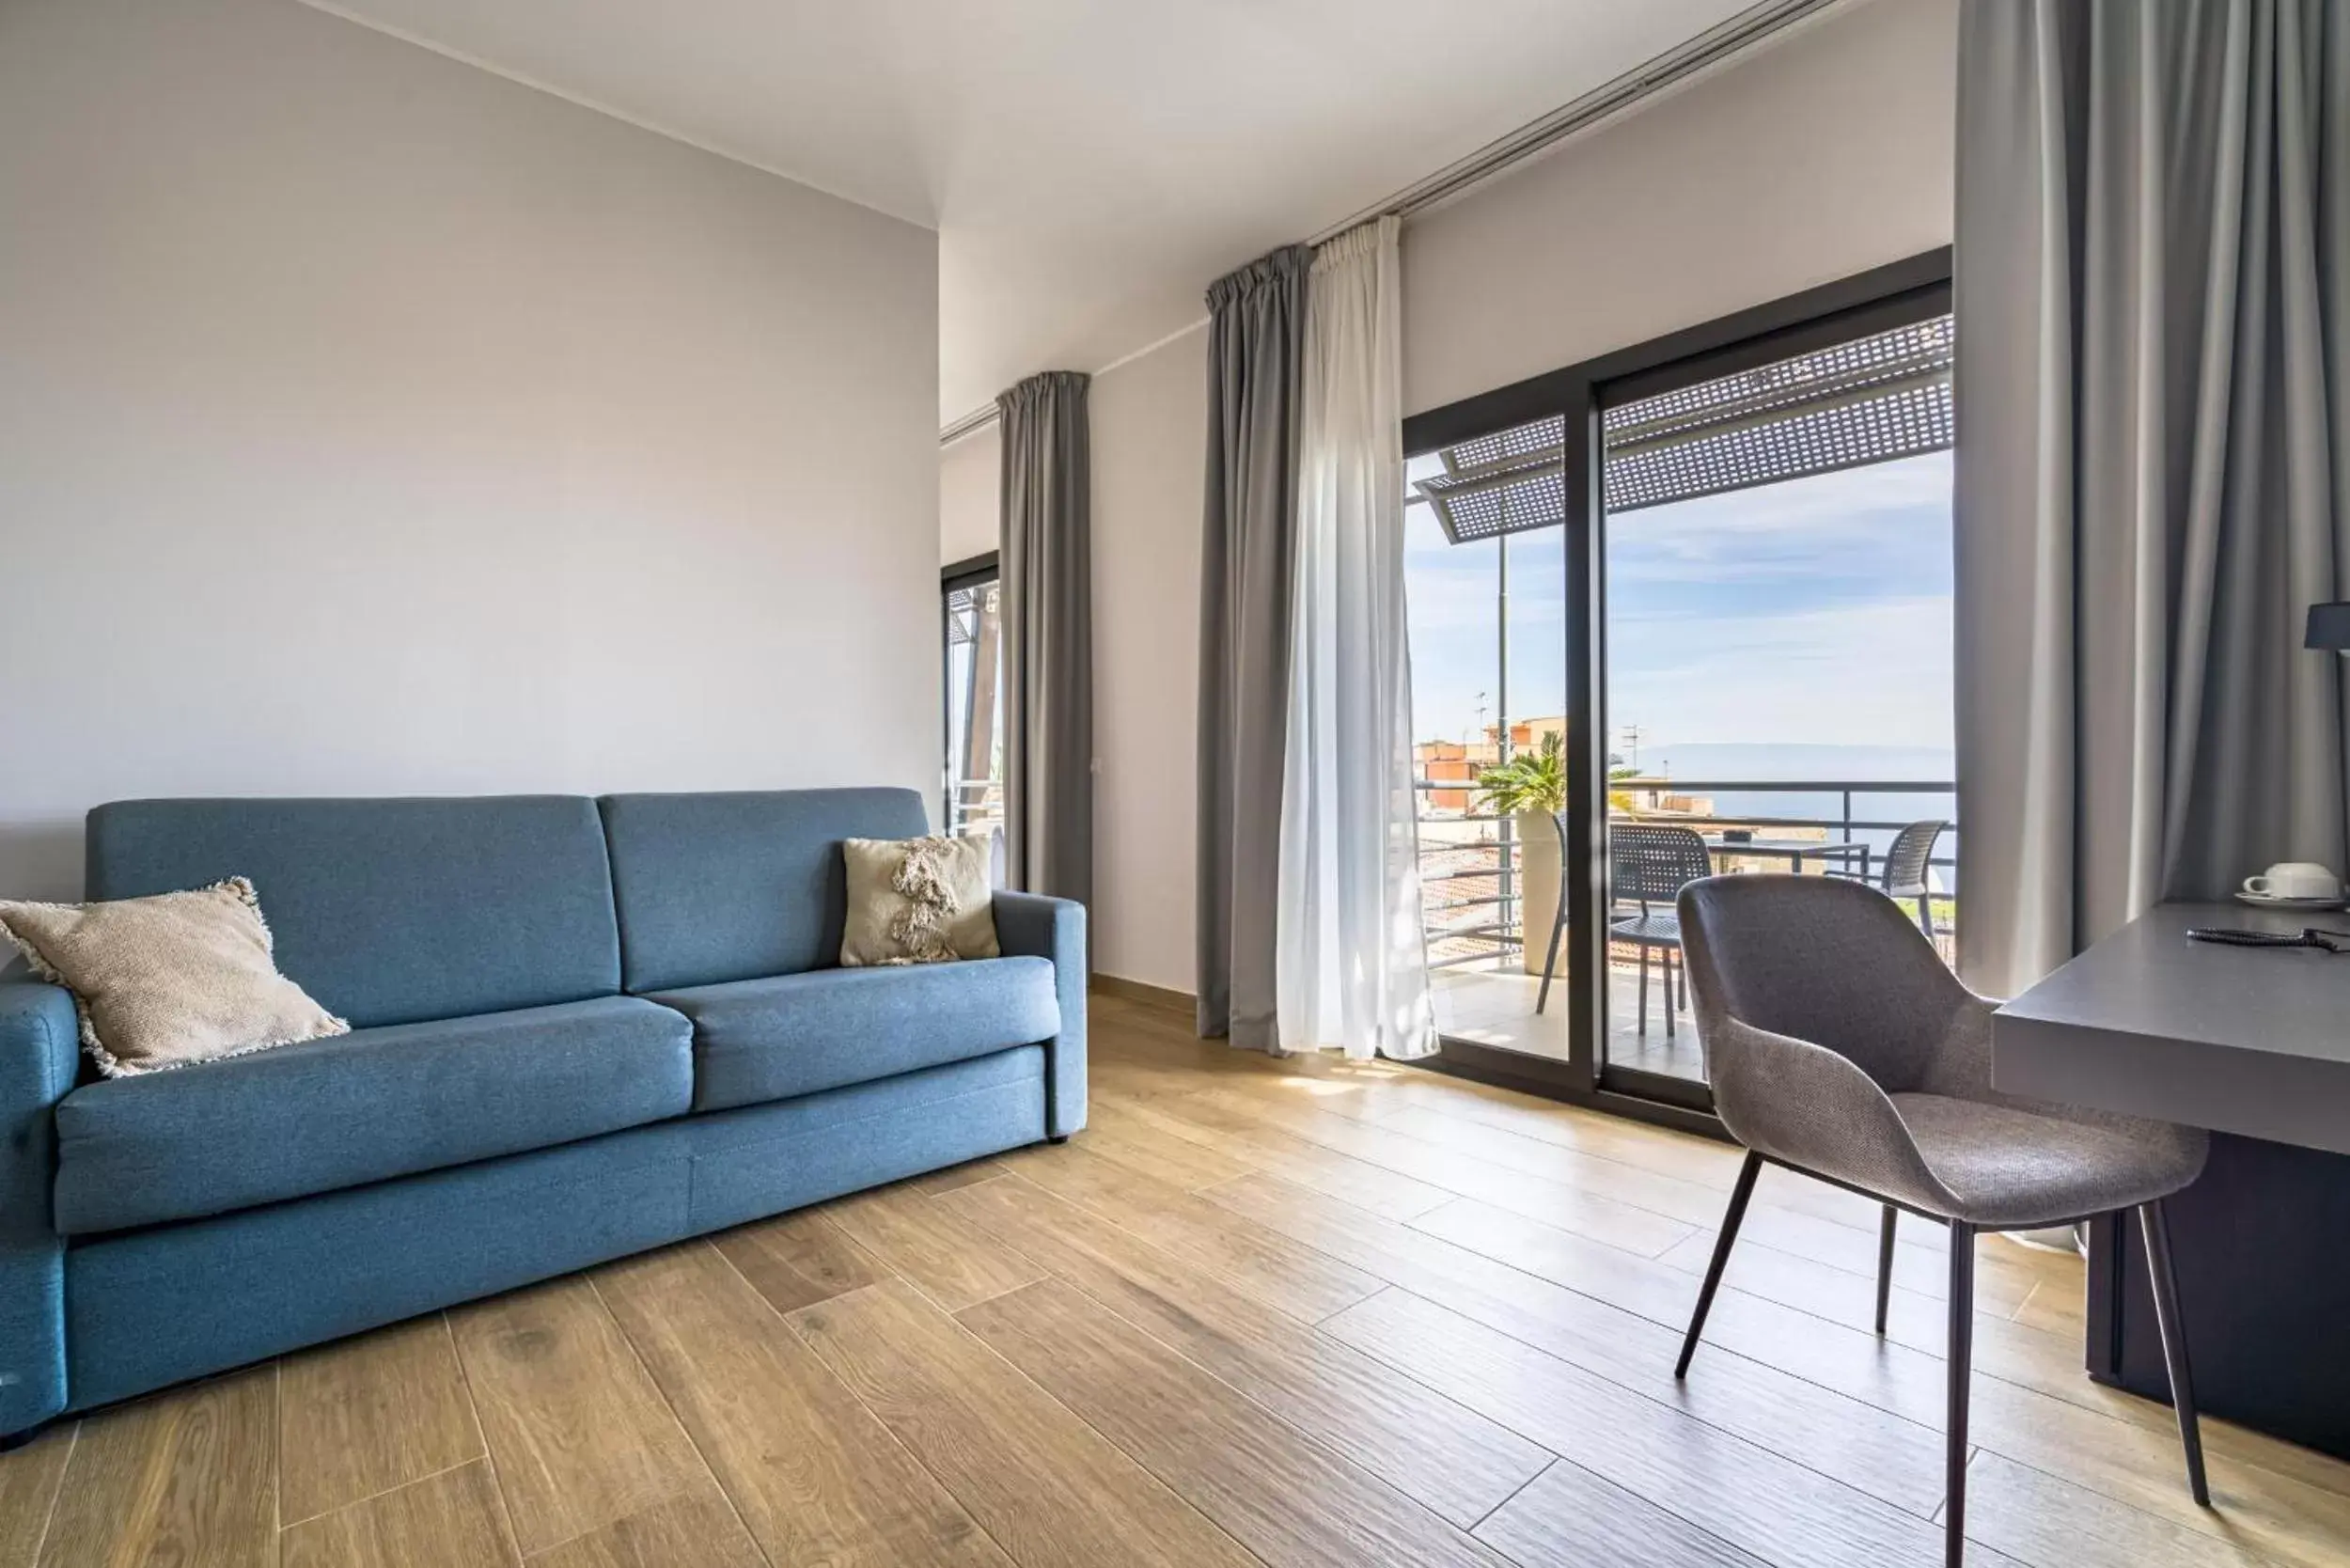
x,y
918,901
169,980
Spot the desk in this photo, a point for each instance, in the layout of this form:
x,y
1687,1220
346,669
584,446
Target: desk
x,y
2255,1044
2242,1040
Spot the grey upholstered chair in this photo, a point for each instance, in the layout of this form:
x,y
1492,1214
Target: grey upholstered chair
x,y
1840,1046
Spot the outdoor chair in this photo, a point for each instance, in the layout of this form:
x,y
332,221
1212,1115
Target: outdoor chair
x,y
1647,867
1907,874
1840,1046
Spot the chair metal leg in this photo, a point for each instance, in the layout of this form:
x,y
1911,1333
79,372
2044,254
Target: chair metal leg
x,y
1961,1365
1644,988
1550,960
1926,915
1722,1244
2157,1232
1666,958
1884,1264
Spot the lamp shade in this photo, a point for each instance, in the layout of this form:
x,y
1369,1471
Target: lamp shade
x,y
2330,627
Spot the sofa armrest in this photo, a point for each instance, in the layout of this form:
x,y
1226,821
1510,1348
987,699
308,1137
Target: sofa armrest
x,y
40,1041
1031,925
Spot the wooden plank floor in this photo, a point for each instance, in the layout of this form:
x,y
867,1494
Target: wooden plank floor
x,y
1283,1313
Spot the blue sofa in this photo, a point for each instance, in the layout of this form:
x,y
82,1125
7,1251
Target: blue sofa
x,y
579,1028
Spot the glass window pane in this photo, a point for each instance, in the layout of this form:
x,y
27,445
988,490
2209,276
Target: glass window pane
x,y
973,774
1779,667
1485,579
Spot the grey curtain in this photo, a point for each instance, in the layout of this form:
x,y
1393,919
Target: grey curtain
x,y
2154,457
1047,575
1256,346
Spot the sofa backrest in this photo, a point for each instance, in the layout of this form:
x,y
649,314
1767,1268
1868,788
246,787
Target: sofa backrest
x,y
729,886
398,910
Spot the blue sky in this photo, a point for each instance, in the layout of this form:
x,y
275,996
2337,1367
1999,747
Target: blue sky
x,y
1816,611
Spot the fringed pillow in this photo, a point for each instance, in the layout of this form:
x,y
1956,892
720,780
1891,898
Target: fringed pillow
x,y
918,901
169,980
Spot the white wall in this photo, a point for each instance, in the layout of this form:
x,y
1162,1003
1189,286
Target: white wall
x,y
372,424
1150,438
970,495
1823,155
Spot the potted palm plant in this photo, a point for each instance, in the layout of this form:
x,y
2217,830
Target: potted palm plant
x,y
1530,789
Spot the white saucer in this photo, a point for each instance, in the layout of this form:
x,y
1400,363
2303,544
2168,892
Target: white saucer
x,y
2262,901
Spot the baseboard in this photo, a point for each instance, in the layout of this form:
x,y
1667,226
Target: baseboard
x,y
1180,1002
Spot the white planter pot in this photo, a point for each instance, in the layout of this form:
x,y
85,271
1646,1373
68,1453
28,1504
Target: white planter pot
x,y
1539,879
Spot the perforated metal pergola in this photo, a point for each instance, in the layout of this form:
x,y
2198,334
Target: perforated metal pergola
x,y
1867,400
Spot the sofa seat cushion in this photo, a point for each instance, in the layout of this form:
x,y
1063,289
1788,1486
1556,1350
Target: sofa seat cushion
x,y
369,1105
787,1035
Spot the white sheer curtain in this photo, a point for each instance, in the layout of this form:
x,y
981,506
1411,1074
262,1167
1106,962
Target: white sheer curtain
x,y
1352,960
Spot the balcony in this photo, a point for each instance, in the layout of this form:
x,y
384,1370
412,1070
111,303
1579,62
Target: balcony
x,y
1475,890
974,805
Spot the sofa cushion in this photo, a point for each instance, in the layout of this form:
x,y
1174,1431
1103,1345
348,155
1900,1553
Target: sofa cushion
x,y
169,980
392,911
771,1038
733,886
376,1102
919,900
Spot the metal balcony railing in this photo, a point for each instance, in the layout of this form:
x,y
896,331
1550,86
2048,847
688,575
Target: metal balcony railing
x,y
1488,875
974,804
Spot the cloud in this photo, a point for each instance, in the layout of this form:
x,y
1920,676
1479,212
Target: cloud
x,y
1891,516
1875,674
1816,611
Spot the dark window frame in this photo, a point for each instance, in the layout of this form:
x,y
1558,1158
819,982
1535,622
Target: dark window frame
x,y
1899,294
973,572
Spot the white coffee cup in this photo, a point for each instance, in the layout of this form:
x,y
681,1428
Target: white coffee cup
x,y
2294,879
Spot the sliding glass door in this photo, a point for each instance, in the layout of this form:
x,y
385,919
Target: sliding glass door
x,y
1681,611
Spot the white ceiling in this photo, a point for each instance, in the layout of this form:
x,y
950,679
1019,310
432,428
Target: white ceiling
x,y
1090,164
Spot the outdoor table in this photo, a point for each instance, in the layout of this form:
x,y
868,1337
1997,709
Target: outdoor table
x,y
1794,851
